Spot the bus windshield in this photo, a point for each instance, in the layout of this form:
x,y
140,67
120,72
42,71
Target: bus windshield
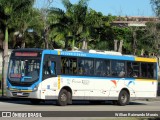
x,y
24,70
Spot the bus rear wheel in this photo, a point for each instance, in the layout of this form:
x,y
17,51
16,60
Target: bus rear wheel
x,y
63,98
123,98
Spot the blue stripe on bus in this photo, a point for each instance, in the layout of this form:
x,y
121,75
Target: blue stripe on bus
x,y
100,78
23,88
54,52
91,55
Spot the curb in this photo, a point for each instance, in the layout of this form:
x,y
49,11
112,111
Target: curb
x,y
7,99
4,98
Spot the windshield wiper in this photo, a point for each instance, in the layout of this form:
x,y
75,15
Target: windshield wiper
x,y
25,77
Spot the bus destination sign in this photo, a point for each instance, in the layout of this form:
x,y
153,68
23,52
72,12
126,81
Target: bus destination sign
x,y
26,54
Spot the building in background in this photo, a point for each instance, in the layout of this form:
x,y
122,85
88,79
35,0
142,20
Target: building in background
x,y
134,21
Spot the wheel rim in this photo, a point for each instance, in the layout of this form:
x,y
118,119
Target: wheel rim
x,y
63,97
124,98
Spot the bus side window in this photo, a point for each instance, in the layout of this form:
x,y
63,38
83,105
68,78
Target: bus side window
x,y
133,69
144,70
85,67
150,70
118,68
68,66
52,67
80,66
49,68
46,67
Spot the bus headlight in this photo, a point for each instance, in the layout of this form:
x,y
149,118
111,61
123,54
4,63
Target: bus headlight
x,y
35,88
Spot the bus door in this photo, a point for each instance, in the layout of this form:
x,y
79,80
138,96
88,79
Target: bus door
x,y
50,71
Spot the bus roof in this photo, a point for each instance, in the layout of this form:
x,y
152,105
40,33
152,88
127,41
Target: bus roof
x,y
28,49
91,54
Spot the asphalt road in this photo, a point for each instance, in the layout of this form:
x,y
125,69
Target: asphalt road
x,y
79,106
23,106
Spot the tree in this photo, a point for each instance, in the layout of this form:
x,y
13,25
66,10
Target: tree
x,y
149,38
71,22
156,6
8,11
92,21
27,25
59,26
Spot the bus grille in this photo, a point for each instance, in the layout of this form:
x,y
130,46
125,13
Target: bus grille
x,y
23,84
16,95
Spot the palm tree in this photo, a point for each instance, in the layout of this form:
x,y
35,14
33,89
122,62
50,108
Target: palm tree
x,y
26,22
71,21
8,10
92,21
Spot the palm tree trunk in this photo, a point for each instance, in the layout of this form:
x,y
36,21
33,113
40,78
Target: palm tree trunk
x,y
46,43
120,46
84,44
5,60
66,43
46,38
23,44
134,42
115,45
73,42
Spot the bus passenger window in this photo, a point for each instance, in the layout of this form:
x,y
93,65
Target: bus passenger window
x,y
150,70
46,67
80,66
144,70
68,66
118,68
99,68
133,69
102,68
49,68
52,67
122,73
85,67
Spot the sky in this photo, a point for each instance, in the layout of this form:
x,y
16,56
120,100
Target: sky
x,y
114,7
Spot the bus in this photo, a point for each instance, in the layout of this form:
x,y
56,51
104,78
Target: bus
x,y
65,76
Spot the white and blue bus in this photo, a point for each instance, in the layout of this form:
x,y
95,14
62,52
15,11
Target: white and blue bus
x,y
65,76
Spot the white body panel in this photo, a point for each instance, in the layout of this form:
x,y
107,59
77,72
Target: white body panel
x,y
98,89
94,88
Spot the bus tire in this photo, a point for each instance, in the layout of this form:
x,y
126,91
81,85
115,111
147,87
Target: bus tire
x,y
123,98
69,98
35,101
63,98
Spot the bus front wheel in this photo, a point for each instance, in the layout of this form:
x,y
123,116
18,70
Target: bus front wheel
x,y
63,98
123,98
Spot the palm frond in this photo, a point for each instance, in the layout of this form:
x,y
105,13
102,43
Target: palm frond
x,y
56,11
67,4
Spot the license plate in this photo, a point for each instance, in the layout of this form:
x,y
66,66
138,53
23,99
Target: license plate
x,y
20,94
